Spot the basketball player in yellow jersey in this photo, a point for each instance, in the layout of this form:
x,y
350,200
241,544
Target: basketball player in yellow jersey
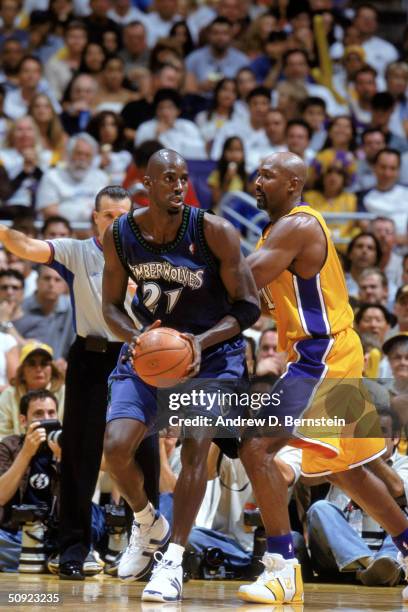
x,y
300,278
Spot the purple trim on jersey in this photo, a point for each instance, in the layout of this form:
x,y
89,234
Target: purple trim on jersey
x,y
51,259
98,243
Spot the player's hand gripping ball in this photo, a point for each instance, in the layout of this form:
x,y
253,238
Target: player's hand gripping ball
x,y
162,357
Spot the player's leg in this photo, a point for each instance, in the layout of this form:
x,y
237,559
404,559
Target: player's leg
x,y
281,580
167,577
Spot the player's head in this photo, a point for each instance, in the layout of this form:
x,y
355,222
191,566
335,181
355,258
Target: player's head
x,y
166,181
110,202
280,182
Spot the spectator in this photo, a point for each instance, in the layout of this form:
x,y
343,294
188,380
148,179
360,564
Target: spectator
x,y
246,82
70,190
11,300
221,110
343,538
169,129
159,22
267,67
111,94
124,12
258,33
396,76
388,198
268,360
374,319
401,309
79,103
289,98
56,227
275,131
314,113
405,269
373,287
181,33
53,137
137,112
216,60
60,69
298,135
396,349
36,371
12,53
47,315
379,52
19,265
352,61
9,11
365,86
296,70
92,60
42,43
135,52
230,174
251,131
363,251
373,141
29,83
382,107
28,470
330,195
391,262
107,129
98,22
337,150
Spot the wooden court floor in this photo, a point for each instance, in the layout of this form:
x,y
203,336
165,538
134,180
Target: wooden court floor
x,y
104,594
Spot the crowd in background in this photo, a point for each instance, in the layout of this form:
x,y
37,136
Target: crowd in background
x,y
90,89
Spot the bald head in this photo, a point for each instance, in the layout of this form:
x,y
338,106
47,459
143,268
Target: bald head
x,y
290,163
162,160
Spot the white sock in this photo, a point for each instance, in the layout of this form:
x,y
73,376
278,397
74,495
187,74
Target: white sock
x,y
145,516
175,553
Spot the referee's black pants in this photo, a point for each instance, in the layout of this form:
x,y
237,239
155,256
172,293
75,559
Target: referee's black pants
x,y
82,443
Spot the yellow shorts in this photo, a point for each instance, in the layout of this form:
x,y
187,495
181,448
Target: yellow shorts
x,y
352,453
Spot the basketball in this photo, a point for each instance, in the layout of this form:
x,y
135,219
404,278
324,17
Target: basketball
x,y
162,357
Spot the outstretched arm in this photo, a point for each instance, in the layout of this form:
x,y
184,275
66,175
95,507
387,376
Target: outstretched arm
x,y
114,286
223,240
21,245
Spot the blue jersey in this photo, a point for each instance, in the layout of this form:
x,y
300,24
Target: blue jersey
x,y
179,282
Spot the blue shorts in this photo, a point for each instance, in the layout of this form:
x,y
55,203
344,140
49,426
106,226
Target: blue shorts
x,y
131,398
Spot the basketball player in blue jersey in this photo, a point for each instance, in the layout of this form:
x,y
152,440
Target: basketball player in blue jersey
x,y
302,285
190,276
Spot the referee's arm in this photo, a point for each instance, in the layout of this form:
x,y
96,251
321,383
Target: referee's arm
x,y
24,247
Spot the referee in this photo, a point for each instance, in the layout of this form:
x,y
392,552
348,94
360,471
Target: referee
x,y
91,359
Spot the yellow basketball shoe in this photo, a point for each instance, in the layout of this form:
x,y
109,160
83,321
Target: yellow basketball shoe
x,y
280,582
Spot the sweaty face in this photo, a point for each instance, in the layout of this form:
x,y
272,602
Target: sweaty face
x,y
167,184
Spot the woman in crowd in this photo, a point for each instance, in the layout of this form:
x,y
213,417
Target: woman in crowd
x,y
182,35
330,195
246,82
112,95
222,110
364,251
36,370
93,59
107,129
53,137
338,149
230,174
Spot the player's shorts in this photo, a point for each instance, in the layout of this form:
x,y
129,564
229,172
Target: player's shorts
x,y
131,398
324,407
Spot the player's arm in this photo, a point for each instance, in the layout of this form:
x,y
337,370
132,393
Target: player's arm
x,y
283,245
21,245
223,241
114,287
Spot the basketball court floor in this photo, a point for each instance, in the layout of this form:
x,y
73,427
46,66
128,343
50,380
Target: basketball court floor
x,y
105,594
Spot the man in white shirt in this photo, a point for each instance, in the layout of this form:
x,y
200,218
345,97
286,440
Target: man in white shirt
x,y
160,22
379,52
388,198
275,130
251,131
173,133
69,190
372,141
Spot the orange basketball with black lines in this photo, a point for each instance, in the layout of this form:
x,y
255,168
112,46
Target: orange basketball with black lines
x,y
162,356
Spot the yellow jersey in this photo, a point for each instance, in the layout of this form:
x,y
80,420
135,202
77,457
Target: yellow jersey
x,y
317,307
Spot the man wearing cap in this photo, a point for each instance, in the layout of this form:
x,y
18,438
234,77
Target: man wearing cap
x,y
91,359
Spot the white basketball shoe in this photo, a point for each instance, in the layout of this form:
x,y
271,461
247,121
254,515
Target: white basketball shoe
x,y
280,582
144,541
166,582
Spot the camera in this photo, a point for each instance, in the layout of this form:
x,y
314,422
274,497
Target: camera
x,y
115,518
33,551
53,429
